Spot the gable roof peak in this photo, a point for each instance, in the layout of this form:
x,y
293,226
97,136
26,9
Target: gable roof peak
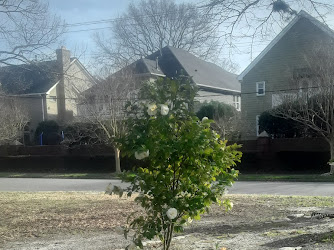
x,y
302,14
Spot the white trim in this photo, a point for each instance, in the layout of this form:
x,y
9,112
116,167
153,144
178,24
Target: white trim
x,y
48,92
211,87
76,60
31,94
301,14
43,113
257,88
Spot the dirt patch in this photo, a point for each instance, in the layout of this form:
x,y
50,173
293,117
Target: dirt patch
x,y
75,220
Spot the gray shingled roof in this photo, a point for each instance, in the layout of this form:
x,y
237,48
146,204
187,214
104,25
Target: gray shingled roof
x,y
152,66
205,73
29,79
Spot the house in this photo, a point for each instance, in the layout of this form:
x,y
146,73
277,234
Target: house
x,y
214,83
271,73
47,90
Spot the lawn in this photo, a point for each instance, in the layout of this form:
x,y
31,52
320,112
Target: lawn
x,y
242,177
286,177
58,175
254,219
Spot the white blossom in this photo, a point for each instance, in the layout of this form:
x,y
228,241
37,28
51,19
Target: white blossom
x,y
142,155
231,204
152,109
205,119
164,109
171,213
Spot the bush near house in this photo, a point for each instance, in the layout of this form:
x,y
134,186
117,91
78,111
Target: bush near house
x,y
51,133
279,127
226,118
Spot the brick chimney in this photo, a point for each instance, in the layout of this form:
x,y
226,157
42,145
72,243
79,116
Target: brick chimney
x,y
63,61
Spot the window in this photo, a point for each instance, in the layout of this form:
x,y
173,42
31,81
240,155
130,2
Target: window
x,y
260,88
236,102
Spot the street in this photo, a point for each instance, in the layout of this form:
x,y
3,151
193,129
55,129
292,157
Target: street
x,y
98,185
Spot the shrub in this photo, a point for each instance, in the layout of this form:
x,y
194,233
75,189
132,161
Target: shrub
x,y
227,119
51,133
279,127
81,133
187,166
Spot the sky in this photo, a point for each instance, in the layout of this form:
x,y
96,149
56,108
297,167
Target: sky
x,y
79,39
81,44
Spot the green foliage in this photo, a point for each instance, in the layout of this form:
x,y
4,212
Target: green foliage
x,y
51,135
215,109
279,127
187,165
226,117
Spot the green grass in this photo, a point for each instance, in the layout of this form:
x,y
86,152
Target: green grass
x,y
59,175
242,177
286,177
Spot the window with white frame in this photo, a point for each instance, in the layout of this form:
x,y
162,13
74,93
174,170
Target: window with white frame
x,y
236,102
260,88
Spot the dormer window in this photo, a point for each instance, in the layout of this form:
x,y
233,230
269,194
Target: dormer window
x,y
260,88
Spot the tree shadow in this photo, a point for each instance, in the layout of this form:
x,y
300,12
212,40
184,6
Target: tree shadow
x,y
218,229
299,240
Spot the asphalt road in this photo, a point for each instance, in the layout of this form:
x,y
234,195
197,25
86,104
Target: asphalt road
x,y
241,187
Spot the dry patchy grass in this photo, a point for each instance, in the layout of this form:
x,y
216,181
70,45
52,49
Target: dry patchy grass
x,y
36,214
25,214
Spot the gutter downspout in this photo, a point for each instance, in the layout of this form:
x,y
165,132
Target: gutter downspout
x,y
43,109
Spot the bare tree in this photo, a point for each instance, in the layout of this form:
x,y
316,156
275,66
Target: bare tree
x,y
311,100
226,117
150,25
13,119
103,107
253,20
26,28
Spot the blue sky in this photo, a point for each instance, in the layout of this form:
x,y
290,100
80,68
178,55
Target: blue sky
x,y
81,43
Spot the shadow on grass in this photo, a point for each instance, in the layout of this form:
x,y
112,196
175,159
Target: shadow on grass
x,y
300,240
261,227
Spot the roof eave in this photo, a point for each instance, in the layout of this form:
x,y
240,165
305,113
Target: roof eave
x,y
219,89
279,37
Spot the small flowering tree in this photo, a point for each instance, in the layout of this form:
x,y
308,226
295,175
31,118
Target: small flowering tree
x,y
185,165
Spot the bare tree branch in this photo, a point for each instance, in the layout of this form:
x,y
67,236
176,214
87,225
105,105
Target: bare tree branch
x,y
313,104
103,106
150,25
261,19
26,27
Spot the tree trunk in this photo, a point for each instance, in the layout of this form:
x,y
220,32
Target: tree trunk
x,y
331,147
117,160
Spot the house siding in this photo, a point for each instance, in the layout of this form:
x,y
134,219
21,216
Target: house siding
x,y
76,81
276,69
211,96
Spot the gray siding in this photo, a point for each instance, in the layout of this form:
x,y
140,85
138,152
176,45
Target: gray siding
x,y
276,69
